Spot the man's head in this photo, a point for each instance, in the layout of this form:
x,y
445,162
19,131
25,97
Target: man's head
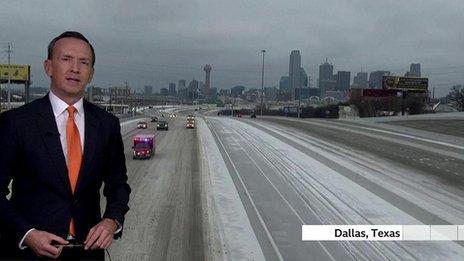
x,y
70,65
70,34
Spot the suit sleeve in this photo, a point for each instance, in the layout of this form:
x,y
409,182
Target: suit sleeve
x,y
116,189
11,220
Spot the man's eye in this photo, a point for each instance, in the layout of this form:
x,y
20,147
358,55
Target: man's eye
x,y
85,62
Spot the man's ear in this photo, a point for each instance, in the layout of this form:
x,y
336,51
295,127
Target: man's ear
x,y
48,67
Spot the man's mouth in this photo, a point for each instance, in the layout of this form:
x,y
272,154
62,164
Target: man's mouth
x,y
73,80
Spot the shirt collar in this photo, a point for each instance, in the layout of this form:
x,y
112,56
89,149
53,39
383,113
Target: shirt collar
x,y
59,106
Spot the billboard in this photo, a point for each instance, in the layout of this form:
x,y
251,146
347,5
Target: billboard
x,y
405,83
16,72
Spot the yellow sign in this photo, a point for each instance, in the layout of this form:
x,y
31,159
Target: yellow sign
x,y
405,83
14,72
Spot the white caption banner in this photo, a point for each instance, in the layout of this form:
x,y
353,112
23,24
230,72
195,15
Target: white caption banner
x,y
382,232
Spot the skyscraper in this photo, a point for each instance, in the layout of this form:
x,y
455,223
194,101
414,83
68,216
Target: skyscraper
x,y
172,89
361,80
414,70
294,71
207,70
327,81
375,79
343,80
325,71
304,80
181,84
193,89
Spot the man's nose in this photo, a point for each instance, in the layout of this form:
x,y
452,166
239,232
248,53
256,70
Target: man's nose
x,y
75,66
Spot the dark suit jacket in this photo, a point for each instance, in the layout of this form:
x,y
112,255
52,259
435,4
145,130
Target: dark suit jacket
x,y
31,155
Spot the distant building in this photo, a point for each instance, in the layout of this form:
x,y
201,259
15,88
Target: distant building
x,y
284,85
343,80
172,89
237,91
304,80
314,92
301,93
252,95
360,80
325,71
342,96
212,94
182,91
326,81
294,70
164,92
181,84
207,70
148,90
193,89
224,92
271,93
94,94
414,70
375,79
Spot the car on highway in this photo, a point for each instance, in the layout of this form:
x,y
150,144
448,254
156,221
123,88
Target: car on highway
x,y
190,124
190,117
142,125
154,119
162,125
253,115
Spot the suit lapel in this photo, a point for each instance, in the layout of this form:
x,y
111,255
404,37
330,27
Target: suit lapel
x,y
51,137
90,142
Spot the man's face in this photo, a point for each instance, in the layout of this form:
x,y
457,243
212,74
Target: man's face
x,y
70,68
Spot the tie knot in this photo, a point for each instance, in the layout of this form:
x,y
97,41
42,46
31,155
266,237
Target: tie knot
x,y
71,111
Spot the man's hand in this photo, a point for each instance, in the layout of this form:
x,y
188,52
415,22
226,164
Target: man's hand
x,y
101,235
45,244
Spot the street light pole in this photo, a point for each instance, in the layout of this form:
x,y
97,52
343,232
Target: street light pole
x,y
9,76
299,101
262,83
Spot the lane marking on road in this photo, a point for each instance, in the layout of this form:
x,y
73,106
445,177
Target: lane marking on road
x,y
247,193
282,196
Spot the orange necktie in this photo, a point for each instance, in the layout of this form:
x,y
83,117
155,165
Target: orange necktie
x,y
74,154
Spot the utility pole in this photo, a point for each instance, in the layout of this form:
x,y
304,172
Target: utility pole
x,y
262,83
9,75
1,100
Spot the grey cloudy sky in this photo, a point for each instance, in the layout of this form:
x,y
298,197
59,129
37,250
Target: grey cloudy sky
x,y
157,42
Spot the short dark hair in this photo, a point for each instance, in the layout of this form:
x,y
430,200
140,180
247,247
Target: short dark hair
x,y
71,34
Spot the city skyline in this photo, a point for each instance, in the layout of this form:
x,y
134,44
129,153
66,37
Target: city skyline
x,y
158,43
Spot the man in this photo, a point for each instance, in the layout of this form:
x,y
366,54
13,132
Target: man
x,y
58,150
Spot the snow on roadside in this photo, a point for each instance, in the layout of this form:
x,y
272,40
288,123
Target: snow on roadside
x,y
229,231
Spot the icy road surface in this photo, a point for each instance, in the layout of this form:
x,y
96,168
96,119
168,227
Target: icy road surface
x,y
289,173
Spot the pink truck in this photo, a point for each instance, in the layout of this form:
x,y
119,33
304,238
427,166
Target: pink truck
x,y
144,146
